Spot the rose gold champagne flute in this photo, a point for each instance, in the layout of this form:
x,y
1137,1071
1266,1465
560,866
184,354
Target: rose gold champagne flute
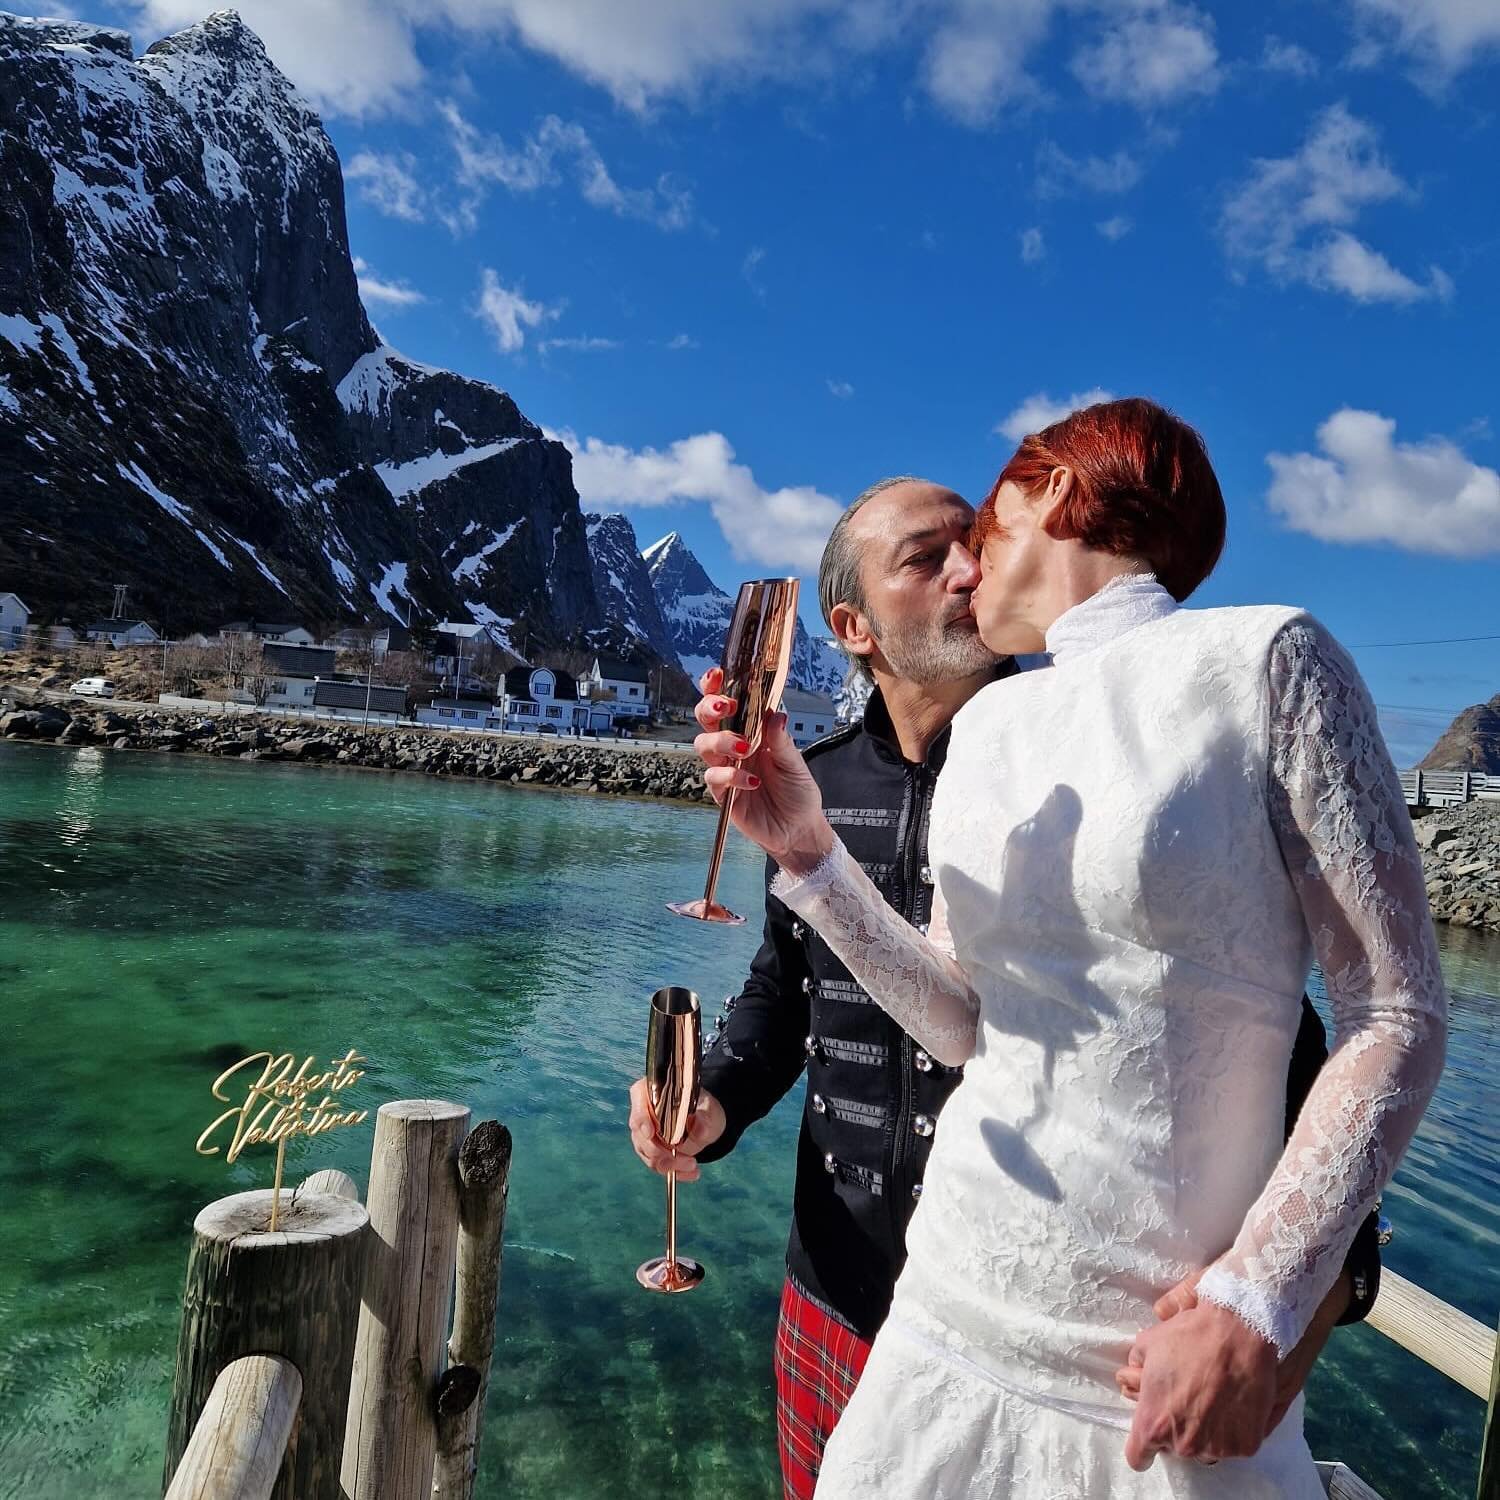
x,y
757,657
674,1053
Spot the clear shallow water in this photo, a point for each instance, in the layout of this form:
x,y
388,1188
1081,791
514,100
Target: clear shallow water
x,y
161,917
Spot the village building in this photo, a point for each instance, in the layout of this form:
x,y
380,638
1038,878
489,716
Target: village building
x,y
547,698
466,711
809,716
379,642
375,702
254,630
291,674
15,620
623,685
123,633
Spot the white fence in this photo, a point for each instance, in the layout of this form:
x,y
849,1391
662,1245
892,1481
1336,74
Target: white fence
x,y
1448,788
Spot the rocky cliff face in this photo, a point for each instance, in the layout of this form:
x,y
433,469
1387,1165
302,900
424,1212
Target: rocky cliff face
x,y
623,585
192,400
1470,743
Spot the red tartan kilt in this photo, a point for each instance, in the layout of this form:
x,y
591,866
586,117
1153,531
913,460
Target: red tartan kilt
x,y
818,1364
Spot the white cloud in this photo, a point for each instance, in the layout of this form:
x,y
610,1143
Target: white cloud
x,y
784,528
1442,36
1287,57
1033,246
1157,55
841,389
682,341
382,292
555,146
508,313
1042,410
362,58
388,181
578,345
1115,228
1058,174
1364,486
750,269
1293,215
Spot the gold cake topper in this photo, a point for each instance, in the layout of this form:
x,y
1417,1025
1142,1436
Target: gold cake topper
x,y
275,1107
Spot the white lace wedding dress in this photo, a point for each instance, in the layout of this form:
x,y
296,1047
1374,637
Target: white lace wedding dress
x,y
1138,854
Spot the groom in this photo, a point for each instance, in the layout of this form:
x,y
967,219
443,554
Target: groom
x,y
894,587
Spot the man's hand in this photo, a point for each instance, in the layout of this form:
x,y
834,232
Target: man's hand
x,y
1207,1387
1291,1373
704,1128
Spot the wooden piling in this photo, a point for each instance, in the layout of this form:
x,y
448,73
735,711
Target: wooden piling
x,y
391,1436
331,1180
1489,1452
294,1293
237,1447
484,1186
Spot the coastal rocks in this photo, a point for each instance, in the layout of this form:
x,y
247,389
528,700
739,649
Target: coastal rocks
x,y
1461,855
605,769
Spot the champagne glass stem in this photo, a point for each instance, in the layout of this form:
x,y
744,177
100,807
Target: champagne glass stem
x,y
672,1220
717,858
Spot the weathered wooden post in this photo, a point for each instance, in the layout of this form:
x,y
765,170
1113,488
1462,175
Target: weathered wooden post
x,y
241,1438
1489,1452
294,1293
391,1436
484,1185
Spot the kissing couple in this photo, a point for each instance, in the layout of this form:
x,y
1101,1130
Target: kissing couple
x,y
1141,1206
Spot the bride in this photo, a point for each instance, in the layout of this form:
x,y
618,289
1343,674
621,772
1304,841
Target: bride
x,y
1138,852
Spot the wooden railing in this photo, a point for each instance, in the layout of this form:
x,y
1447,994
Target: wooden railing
x,y
1448,788
1452,1342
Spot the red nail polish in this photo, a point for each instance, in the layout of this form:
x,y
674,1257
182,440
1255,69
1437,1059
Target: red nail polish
x,y
742,747
754,783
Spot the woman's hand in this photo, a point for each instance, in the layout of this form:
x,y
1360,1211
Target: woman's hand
x,y
777,803
1207,1387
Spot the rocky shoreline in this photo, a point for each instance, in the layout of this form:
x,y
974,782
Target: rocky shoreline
x,y
601,769
1460,845
1461,854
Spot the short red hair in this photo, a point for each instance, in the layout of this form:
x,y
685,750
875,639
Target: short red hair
x,y
1143,487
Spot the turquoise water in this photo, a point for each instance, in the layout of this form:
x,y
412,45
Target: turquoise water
x,y
160,917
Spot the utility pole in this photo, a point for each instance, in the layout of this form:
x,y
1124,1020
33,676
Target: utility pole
x,y
369,680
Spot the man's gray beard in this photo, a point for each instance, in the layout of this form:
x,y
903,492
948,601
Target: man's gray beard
x,y
932,653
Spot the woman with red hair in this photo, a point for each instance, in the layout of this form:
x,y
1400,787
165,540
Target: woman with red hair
x,y
1138,854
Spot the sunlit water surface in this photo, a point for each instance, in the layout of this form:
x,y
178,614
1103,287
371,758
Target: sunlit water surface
x,y
161,917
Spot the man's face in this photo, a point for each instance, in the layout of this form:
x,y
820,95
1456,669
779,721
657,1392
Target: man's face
x,y
917,573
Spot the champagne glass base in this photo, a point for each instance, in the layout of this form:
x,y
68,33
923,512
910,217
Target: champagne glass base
x,y
705,911
662,1275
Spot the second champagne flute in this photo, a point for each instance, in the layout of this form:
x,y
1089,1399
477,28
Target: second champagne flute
x,y
757,658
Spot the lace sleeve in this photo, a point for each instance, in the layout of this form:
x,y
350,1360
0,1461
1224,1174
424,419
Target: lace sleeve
x,y
916,980
1341,821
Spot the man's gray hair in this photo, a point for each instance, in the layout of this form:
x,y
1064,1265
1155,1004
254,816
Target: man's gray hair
x,y
838,573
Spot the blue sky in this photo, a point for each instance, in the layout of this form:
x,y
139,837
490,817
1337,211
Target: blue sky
x,y
748,258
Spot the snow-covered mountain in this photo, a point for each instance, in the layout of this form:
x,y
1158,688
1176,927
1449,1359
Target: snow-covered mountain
x,y
622,584
192,399
697,613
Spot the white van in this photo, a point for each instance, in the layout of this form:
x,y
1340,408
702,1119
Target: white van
x,y
93,687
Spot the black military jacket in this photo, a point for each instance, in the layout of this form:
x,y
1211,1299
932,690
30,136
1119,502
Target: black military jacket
x,y
873,1094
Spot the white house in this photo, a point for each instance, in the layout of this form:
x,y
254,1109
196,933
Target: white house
x,y
457,646
14,620
379,643
292,673
809,716
59,636
623,685
254,630
541,698
374,702
123,632
472,711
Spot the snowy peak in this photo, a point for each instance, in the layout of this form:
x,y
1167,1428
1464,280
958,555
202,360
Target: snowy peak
x,y
623,584
697,612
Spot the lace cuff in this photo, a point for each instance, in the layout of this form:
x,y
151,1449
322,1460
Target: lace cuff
x,y
917,982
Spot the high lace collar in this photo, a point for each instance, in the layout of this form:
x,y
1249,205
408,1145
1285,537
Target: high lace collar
x,y
1123,603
